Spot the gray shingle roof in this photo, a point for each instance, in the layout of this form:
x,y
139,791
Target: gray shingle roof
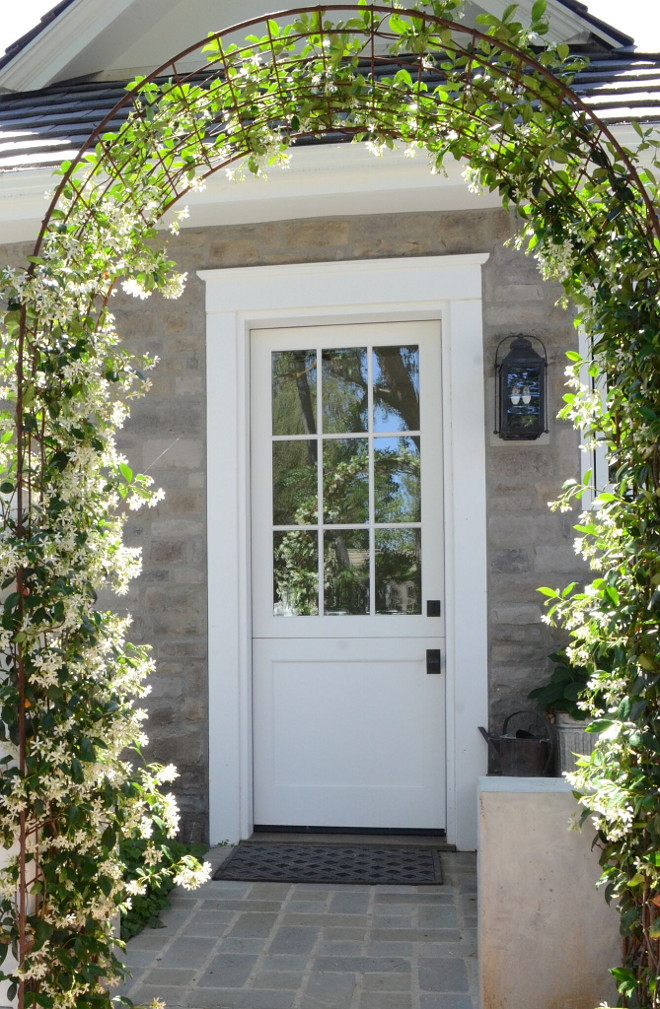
x,y
41,128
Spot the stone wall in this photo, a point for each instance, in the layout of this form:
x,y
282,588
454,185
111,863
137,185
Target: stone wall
x,y
528,545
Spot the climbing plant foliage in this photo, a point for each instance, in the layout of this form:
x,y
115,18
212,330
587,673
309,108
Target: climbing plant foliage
x,y
491,96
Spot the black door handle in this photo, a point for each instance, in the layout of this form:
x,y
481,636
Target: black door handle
x,y
433,662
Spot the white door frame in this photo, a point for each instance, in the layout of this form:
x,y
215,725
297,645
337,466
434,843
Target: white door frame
x,y
240,299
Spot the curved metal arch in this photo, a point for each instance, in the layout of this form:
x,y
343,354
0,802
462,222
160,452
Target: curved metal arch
x,y
223,135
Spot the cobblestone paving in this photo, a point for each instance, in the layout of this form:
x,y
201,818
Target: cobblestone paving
x,y
236,945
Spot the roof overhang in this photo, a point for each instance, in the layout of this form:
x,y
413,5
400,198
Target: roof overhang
x,y
90,37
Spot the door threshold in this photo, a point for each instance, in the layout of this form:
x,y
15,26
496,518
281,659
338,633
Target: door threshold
x,y
354,835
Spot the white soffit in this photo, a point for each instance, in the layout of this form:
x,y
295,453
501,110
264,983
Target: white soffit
x,y
48,56
564,25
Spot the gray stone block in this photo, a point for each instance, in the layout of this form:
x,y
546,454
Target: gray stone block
x,y
229,970
294,940
442,975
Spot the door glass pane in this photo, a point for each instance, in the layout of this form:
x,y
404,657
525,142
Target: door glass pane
x,y
345,390
346,481
369,440
295,576
295,488
398,571
396,388
346,572
396,480
294,392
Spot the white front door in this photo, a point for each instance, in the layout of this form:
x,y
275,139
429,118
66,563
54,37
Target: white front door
x,y
347,576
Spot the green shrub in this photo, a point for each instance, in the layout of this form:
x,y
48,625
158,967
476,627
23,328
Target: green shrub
x,y
146,907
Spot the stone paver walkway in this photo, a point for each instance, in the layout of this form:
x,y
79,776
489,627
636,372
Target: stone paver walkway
x,y
236,945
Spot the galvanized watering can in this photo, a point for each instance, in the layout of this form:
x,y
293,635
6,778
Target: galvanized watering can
x,y
522,752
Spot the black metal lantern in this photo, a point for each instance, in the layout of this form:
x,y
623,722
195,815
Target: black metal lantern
x,y
521,388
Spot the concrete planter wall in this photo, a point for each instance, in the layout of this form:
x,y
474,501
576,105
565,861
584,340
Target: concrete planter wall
x,y
546,936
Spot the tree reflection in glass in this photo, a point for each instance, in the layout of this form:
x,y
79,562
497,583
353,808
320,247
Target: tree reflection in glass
x,y
345,390
346,572
294,392
398,571
396,388
346,481
396,480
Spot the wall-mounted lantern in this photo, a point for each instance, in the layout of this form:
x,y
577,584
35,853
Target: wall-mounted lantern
x,y
521,365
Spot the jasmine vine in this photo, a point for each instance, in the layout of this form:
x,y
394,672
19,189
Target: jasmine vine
x,y
71,693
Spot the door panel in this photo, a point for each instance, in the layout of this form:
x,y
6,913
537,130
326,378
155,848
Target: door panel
x,y
347,548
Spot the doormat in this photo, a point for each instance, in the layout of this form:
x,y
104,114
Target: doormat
x,y
254,861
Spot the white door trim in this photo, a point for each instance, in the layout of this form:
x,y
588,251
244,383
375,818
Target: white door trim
x,y
239,299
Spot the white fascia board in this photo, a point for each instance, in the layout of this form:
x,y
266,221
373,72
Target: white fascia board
x,y
327,181
59,43
344,179
564,25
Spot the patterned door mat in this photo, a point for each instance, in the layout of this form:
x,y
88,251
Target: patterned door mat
x,y
256,861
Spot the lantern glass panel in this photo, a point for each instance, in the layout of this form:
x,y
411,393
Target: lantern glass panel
x,y
522,401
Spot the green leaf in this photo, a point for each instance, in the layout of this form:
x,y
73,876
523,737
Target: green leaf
x,y
538,9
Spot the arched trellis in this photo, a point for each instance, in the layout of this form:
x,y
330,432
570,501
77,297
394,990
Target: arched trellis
x,y
340,72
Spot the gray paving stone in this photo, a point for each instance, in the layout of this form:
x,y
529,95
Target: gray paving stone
x,y
190,952
253,924
465,948
349,903
278,979
388,920
385,896
242,944
270,891
147,993
294,940
229,970
387,982
226,888
442,975
152,939
339,947
307,906
416,934
211,924
348,934
388,948
360,964
329,991
176,976
446,1001
237,998
437,917
284,961
386,1000
398,909
135,958
310,891
241,904
326,919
